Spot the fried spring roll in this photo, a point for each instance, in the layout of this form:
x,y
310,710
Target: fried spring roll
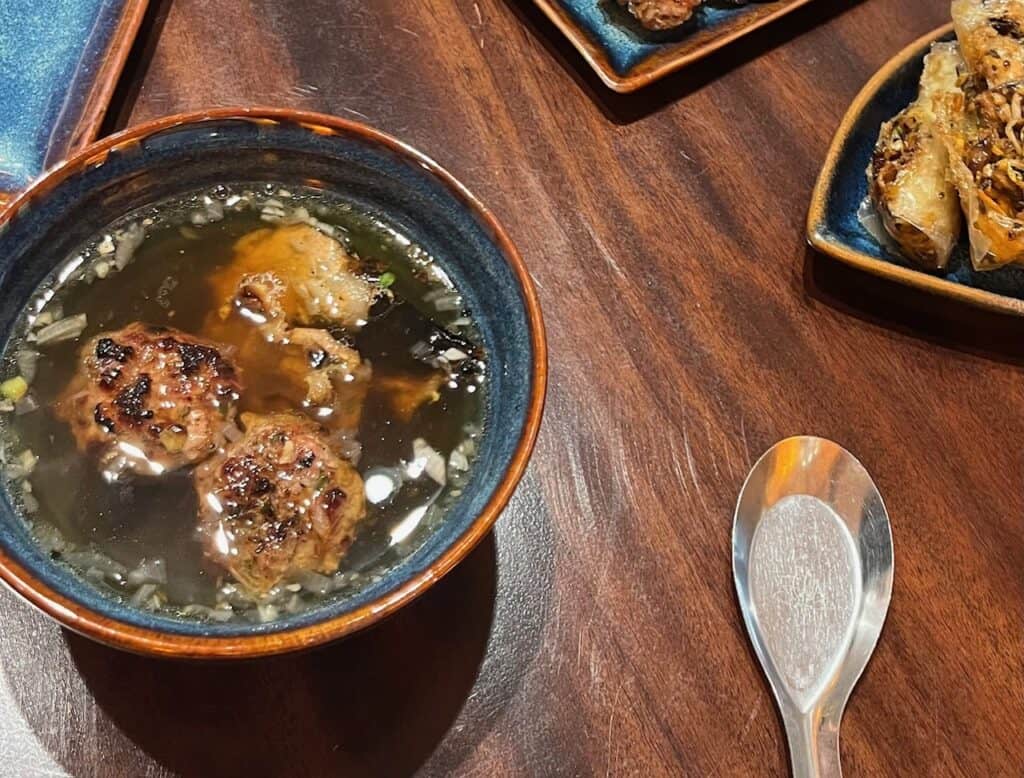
x,y
908,177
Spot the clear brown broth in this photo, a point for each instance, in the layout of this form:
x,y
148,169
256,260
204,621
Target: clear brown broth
x,y
165,284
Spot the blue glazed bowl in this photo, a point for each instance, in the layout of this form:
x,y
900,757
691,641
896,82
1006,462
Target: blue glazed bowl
x,y
183,153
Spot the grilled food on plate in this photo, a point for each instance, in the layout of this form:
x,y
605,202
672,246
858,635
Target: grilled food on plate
x,y
661,14
909,182
959,145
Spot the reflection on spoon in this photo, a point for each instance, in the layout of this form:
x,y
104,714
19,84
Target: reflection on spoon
x,y
812,562
805,587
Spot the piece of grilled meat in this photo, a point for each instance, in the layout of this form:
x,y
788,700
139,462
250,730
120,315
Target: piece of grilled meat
x,y
278,501
150,399
289,367
317,280
661,14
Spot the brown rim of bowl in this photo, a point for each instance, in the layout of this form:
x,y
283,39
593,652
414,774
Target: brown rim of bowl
x,y
110,69
819,238
674,57
153,642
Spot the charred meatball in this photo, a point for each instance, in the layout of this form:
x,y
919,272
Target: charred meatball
x,y
661,14
278,501
150,399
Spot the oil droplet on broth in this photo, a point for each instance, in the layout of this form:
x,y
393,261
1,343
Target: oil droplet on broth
x,y
136,537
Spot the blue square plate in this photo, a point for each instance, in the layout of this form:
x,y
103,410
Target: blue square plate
x,y
60,61
833,224
627,57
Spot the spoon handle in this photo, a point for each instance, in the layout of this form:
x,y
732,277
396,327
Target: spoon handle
x,y
814,746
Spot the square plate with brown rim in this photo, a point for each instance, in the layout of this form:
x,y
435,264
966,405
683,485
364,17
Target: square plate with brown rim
x,y
626,56
834,226
60,61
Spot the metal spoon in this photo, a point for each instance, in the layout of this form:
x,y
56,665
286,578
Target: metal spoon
x,y
812,561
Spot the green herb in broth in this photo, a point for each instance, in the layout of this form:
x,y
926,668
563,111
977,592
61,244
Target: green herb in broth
x,y
136,538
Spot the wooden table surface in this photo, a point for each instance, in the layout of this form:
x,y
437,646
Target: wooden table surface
x,y
597,632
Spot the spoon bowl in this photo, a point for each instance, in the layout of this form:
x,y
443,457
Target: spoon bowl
x,y
813,567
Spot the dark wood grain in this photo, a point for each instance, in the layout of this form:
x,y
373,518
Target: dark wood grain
x,y
598,634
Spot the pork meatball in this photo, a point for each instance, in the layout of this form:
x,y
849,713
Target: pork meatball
x,y
150,399
278,501
289,366
661,14
307,276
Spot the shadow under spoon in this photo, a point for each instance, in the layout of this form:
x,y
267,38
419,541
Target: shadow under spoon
x,y
813,566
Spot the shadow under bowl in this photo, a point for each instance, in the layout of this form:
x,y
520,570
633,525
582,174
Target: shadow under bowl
x,y
374,172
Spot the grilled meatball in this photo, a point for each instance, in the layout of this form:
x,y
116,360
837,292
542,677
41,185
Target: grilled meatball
x,y
150,399
278,501
286,366
313,279
661,14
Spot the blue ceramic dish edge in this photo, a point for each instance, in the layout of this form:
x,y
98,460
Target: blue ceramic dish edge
x,y
156,635
825,239
74,119
625,66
